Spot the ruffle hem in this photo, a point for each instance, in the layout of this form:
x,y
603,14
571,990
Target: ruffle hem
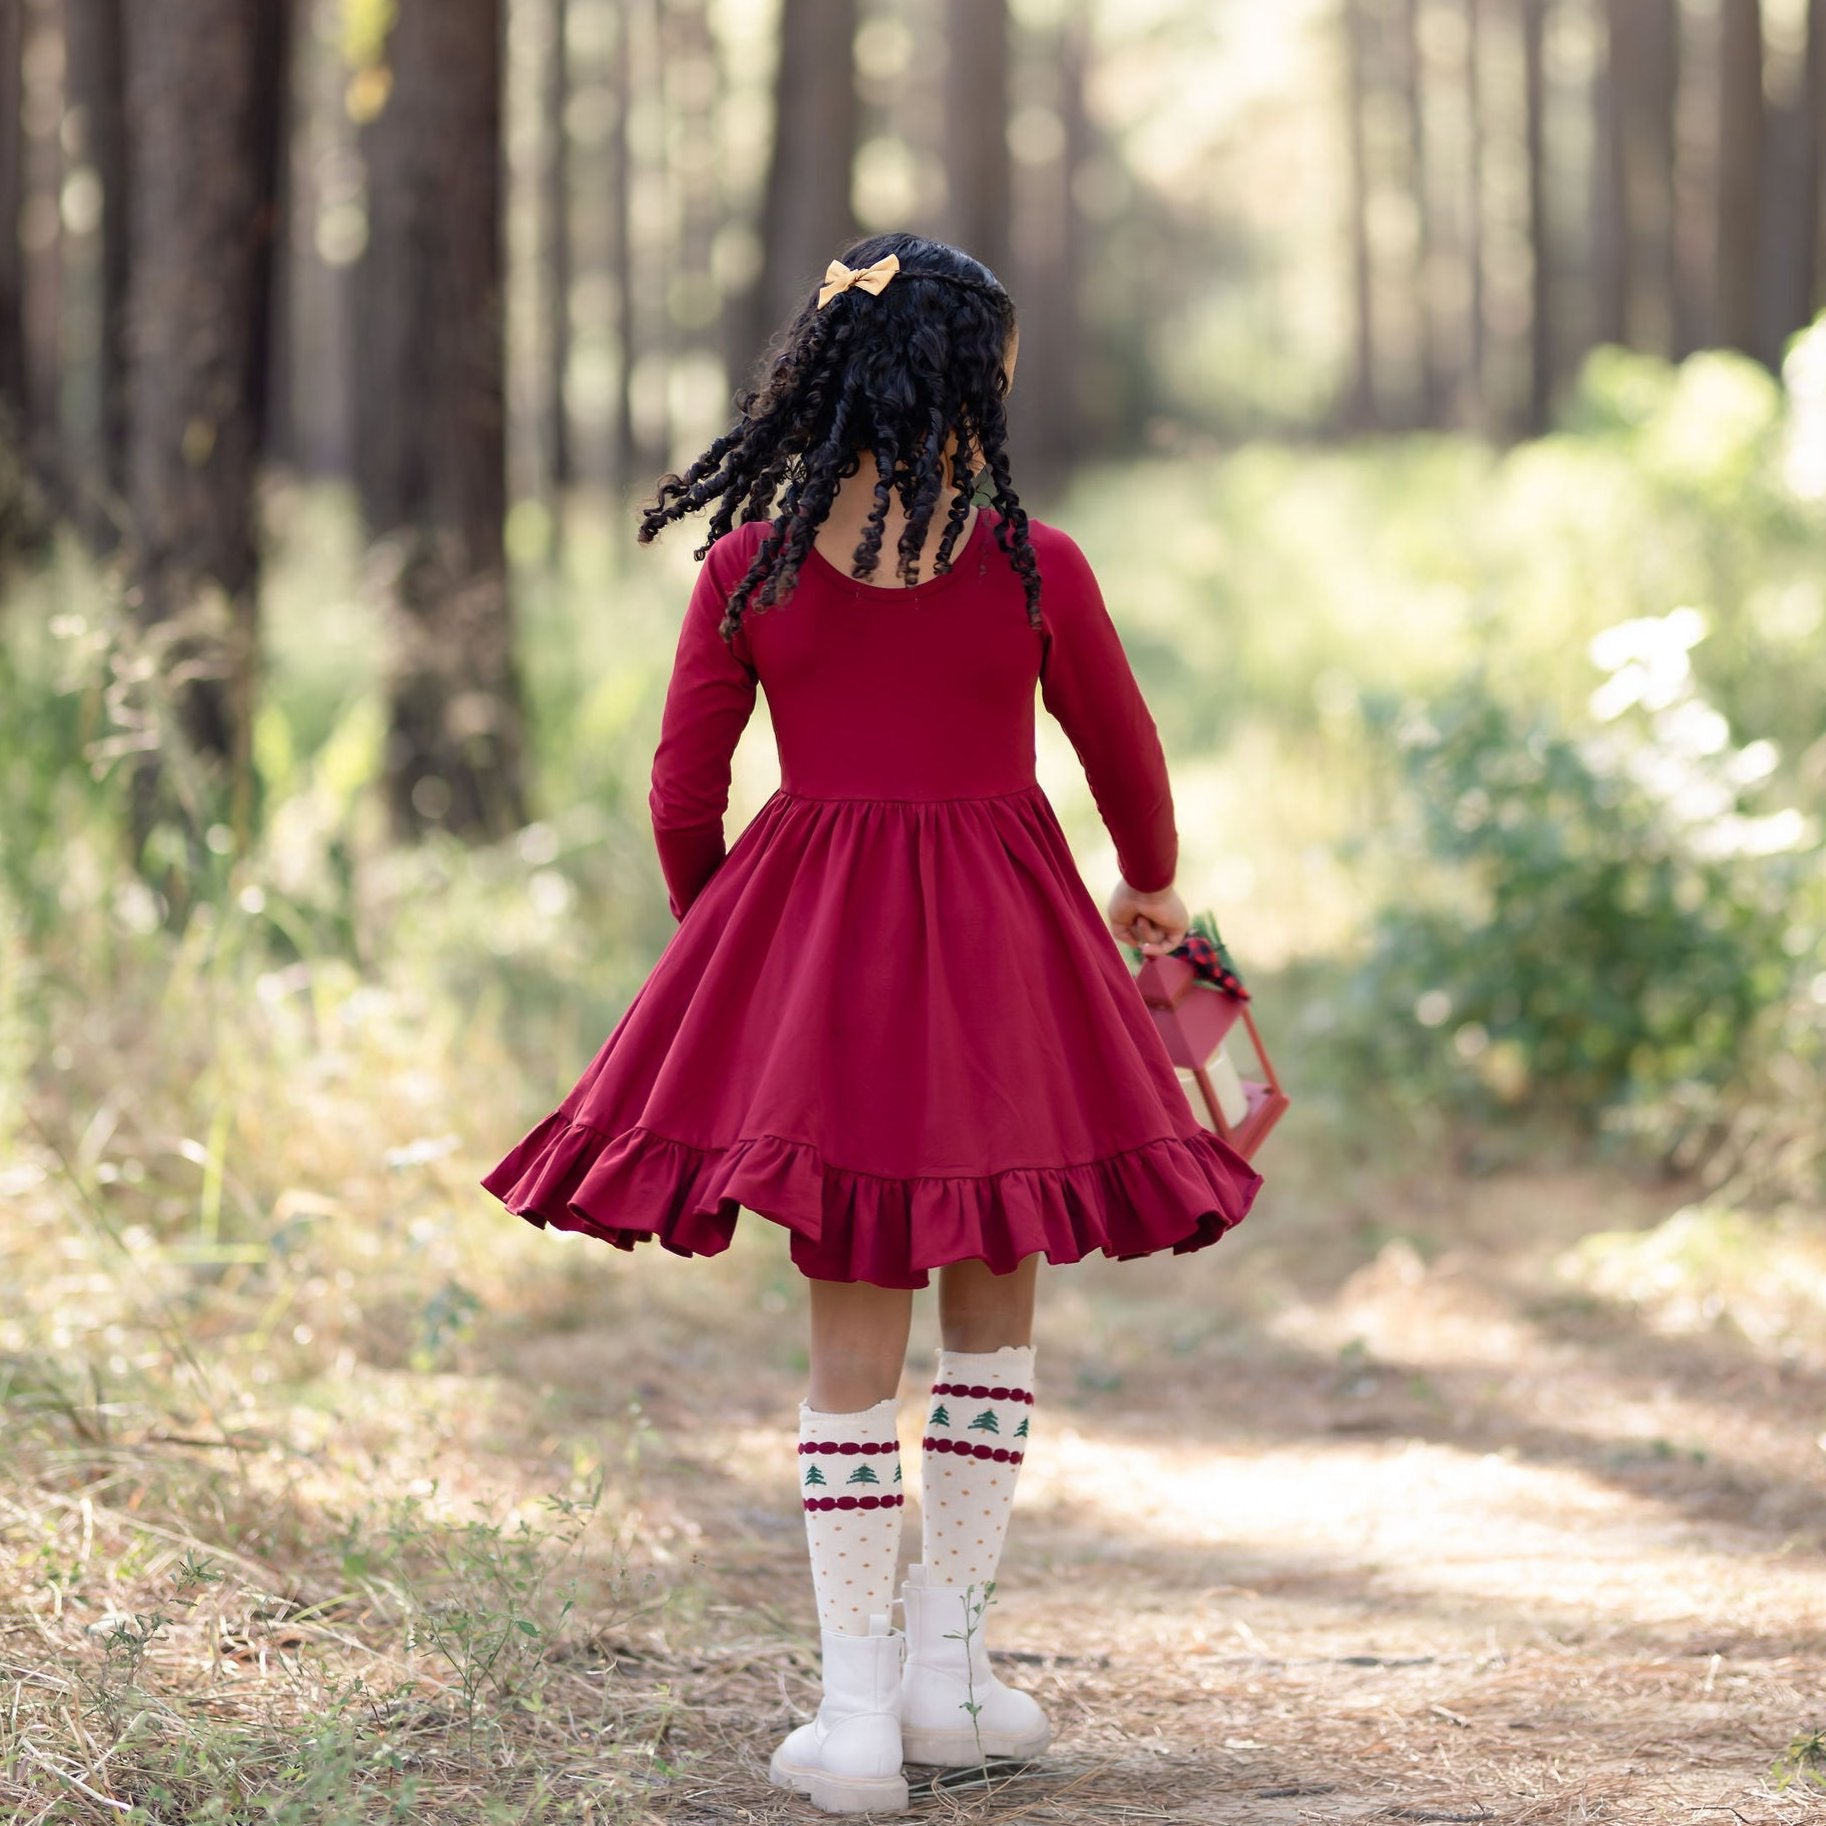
x,y
1179,1192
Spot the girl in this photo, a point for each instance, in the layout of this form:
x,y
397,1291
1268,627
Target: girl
x,y
891,1019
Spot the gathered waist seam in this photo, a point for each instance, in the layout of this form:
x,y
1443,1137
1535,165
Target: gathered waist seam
x,y
1017,792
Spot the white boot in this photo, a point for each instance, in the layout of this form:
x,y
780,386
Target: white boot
x,y
847,1759
945,1677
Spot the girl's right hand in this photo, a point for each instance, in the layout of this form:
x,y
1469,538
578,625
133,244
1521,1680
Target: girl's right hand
x,y
1155,922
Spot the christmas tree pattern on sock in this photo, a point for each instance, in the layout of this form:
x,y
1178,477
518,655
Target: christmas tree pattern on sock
x,y
975,1440
849,1487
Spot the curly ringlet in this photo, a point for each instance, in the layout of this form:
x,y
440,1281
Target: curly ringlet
x,y
892,373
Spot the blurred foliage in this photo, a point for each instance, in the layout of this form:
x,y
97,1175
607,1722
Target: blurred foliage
x,y
1587,919
1609,905
1285,583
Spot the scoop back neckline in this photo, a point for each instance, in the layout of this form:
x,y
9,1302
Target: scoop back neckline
x,y
926,586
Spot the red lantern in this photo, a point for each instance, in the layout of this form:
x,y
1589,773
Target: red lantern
x,y
1195,1016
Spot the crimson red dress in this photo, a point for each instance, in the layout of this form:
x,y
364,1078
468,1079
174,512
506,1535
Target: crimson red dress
x,y
892,1018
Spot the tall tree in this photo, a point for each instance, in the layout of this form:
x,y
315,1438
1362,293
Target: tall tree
x,y
431,406
806,214
1695,175
1430,404
556,212
203,90
41,238
693,109
624,460
23,521
1474,378
1634,271
12,200
1609,259
1361,409
96,132
1740,174
1047,404
979,178
1793,195
311,385
638,248
1540,226
645,272
1810,202
1652,177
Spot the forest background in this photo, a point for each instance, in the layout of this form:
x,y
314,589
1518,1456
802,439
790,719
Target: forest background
x,y
1439,389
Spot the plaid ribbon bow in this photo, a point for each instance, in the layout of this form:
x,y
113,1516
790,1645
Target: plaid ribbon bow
x,y
1210,961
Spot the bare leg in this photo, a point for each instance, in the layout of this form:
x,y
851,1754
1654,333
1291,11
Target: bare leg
x,y
858,1344
982,1311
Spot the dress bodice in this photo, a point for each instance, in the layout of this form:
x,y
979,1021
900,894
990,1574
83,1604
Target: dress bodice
x,y
913,694
902,693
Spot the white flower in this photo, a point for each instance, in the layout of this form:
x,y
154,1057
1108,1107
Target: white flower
x,y
1770,836
1752,764
1649,638
1693,727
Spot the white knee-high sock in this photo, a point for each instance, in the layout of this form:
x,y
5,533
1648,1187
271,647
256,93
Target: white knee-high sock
x,y
975,1439
849,1482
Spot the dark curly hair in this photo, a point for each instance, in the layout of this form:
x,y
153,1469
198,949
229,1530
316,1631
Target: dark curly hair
x,y
886,376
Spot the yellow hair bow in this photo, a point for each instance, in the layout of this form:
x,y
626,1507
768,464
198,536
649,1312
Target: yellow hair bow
x,y
839,278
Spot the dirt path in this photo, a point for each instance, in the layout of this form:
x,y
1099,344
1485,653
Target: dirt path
x,y
1437,1538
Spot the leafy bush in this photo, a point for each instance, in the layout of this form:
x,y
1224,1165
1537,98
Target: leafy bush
x,y
1593,918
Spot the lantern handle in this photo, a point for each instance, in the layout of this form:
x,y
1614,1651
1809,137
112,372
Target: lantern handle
x,y
1255,1039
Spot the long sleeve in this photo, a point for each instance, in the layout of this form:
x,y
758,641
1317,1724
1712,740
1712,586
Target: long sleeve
x,y
1087,684
708,703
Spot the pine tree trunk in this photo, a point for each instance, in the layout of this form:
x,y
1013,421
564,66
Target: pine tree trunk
x,y
1739,174
622,471
1811,203
1637,147
1655,256
979,180
302,389
1794,193
649,315
556,205
1610,213
272,80
12,200
42,176
1474,385
24,522
96,132
1431,401
693,101
1695,214
806,216
313,385
201,95
1540,240
1361,411
433,421
1046,402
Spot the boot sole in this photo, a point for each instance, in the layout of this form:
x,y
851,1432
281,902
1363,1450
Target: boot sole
x,y
953,1749
841,1793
